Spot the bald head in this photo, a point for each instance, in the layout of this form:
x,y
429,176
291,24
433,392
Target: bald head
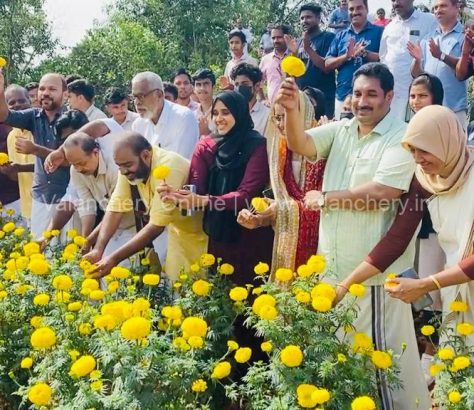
x,y
82,141
82,152
133,141
133,155
17,98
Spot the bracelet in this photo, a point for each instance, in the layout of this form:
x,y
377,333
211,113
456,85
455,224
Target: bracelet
x,y
342,286
435,281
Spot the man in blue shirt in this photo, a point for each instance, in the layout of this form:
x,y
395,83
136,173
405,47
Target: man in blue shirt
x,y
351,48
312,48
339,18
439,53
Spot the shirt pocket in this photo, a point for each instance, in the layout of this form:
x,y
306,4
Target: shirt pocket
x,y
363,170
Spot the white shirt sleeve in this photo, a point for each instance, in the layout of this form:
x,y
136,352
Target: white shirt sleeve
x,y
189,135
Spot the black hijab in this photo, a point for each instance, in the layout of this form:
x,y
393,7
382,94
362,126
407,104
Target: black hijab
x,y
230,161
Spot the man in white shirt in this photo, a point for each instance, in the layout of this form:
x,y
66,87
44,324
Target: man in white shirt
x,y
94,176
81,95
204,81
116,103
183,82
247,80
237,43
407,25
164,124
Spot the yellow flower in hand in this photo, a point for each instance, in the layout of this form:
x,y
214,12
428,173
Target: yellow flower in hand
x,y
161,172
293,66
259,204
3,158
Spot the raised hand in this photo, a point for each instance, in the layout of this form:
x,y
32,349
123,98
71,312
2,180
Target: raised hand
x,y
435,50
291,43
350,48
415,50
53,161
288,96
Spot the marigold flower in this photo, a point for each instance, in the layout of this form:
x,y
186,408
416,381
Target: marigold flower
x,y
201,287
232,345
458,306
62,297
436,368
321,396
38,267
322,304
454,397
194,326
461,363
31,248
257,291
74,306
151,279
259,204
119,272
172,312
85,329
266,347
161,172
26,363
196,342
9,227
3,156
43,338
363,403
381,359
427,330
96,385
36,321
226,269
284,274
238,294
362,343
221,370
304,271
316,263
135,328
80,241
199,386
303,297
89,285
140,305
207,259
261,268
293,66
97,294
465,329
72,233
291,356
106,322
324,290
263,300
113,286
181,344
304,394
341,358
243,354
195,268
3,63
446,353
62,282
357,290
95,375
40,394
82,366
267,312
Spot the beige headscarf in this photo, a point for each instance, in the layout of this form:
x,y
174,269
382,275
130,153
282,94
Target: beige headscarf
x,y
436,129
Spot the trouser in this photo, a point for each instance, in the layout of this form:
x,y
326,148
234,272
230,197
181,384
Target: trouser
x,y
41,215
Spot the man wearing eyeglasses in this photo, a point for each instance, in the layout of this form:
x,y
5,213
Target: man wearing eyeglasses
x,y
164,124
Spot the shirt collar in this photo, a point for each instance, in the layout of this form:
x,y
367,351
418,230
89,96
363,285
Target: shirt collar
x,y
367,26
383,127
41,113
257,107
458,28
274,55
89,111
164,113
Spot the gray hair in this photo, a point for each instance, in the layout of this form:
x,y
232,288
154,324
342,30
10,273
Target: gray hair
x,y
153,79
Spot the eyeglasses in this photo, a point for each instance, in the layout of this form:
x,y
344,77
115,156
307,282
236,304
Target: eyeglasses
x,y
143,96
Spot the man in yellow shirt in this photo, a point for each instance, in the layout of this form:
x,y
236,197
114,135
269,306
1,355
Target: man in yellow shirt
x,y
21,166
136,159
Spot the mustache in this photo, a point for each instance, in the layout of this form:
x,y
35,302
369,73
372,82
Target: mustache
x,y
364,107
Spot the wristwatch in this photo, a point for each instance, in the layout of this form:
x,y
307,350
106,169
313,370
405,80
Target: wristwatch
x,y
322,200
442,57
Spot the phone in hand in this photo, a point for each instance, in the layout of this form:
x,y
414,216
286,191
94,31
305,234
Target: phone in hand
x,y
425,300
414,36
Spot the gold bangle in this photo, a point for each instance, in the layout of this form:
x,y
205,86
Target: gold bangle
x,y
342,286
435,281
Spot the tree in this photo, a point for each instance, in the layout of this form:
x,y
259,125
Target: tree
x,y
25,36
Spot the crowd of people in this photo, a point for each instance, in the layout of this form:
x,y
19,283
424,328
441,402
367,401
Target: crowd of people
x,y
372,140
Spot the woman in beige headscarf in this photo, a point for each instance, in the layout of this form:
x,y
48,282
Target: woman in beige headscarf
x,y
296,227
444,181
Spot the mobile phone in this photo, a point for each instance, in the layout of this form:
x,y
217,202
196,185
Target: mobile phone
x,y
414,36
425,300
190,188
268,193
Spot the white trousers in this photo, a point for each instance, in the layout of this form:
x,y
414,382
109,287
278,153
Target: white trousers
x,y
120,238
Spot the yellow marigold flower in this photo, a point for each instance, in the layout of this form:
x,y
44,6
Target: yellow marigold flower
x,y
341,358
151,279
97,294
263,300
303,297
261,268
446,353
196,342
26,363
85,329
55,232
201,287
74,354
304,393
324,290
284,275
266,347
381,359
232,345
43,338
80,241
436,368
119,272
23,289
72,233
454,397
465,329
145,261
243,354
293,66
62,297
316,263
62,282
194,326
207,259
40,394
9,227
257,291
38,267
362,343
172,312
42,299
199,386
458,306
135,328
141,305
238,294
82,366
387,280
31,248
161,172
3,156
195,268
427,330
3,63
267,312
89,284
461,363
357,290
221,370
226,269
113,286
291,356
177,285
95,375
119,309
96,385
181,344
259,204
106,322
321,396
74,306
36,321
321,304
2,234
19,231
363,403
69,317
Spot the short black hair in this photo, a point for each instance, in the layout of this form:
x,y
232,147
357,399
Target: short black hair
x,y
82,87
180,71
433,84
366,4
285,28
170,88
380,11
73,119
319,98
313,8
115,95
239,34
203,74
379,71
31,86
248,70
73,77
